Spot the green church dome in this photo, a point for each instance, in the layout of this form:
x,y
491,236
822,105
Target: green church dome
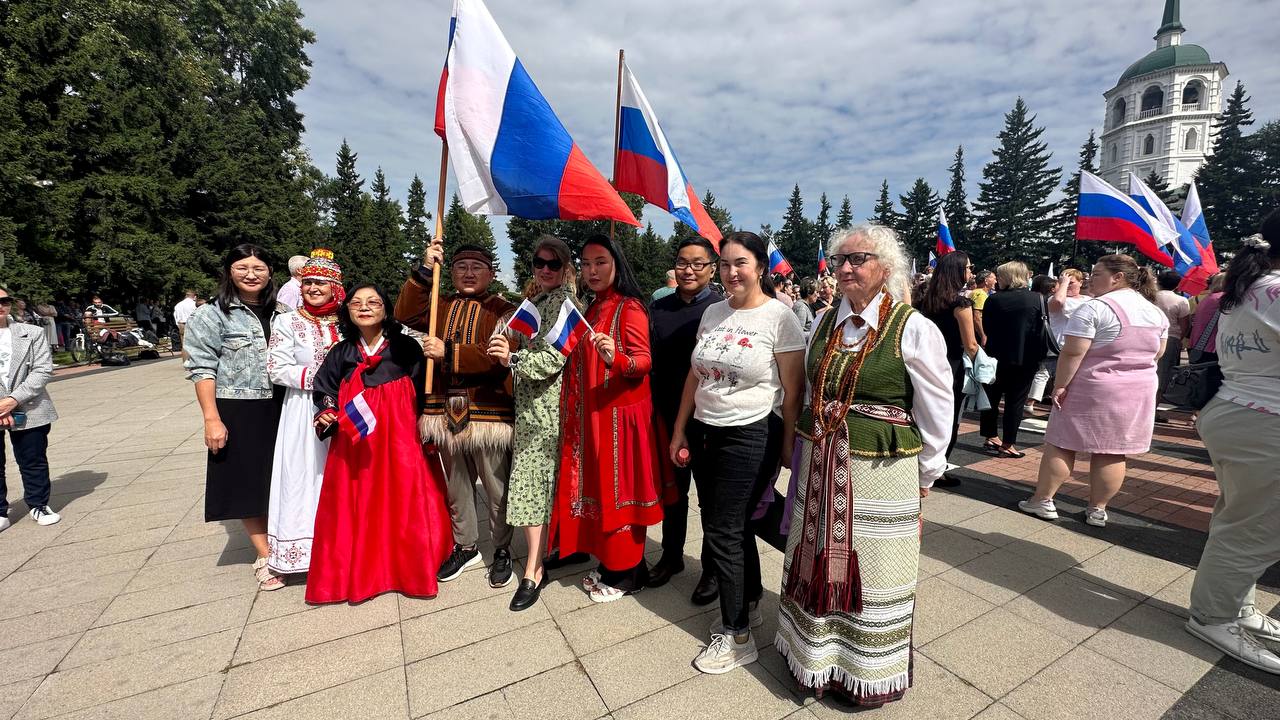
x,y
1170,56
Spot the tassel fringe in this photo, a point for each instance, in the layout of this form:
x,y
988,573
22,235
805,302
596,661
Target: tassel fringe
x,y
820,678
818,595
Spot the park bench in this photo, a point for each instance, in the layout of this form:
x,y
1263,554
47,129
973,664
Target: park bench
x,y
120,324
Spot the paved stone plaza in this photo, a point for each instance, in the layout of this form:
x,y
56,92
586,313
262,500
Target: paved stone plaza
x,y
133,607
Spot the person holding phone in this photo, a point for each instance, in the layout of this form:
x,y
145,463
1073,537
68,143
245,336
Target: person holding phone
x,y
26,412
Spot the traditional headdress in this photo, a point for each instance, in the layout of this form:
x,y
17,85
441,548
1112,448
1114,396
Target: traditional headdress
x,y
471,252
322,266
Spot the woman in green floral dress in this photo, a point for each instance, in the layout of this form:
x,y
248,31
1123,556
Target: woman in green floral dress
x,y
537,369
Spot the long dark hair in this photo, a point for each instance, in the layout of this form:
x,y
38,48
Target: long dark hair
x,y
227,292
755,245
947,283
351,331
624,280
1252,262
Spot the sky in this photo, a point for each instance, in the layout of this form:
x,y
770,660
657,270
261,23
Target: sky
x,y
754,97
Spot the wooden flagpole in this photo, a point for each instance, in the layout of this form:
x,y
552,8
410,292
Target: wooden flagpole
x,y
617,132
438,237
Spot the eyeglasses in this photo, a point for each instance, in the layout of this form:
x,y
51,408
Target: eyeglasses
x,y
554,264
471,268
259,270
695,266
856,259
371,305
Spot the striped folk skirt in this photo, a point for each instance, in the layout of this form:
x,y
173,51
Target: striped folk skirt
x,y
865,655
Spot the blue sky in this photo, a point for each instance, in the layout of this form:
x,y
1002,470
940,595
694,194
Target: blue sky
x,y
754,97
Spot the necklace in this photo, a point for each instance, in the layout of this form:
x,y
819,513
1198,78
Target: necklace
x,y
849,379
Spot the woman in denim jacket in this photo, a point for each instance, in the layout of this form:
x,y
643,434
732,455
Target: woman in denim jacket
x,y
226,346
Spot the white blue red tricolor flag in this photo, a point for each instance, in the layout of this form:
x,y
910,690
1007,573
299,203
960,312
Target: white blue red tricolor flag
x,y
1184,251
933,261
1196,281
647,166
777,261
526,320
360,420
945,243
822,258
1108,215
510,153
569,328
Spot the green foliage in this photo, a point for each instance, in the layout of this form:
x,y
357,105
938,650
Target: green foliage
x,y
822,227
1160,187
956,204
1013,214
1069,252
1267,143
845,218
884,213
1232,182
416,233
919,221
797,238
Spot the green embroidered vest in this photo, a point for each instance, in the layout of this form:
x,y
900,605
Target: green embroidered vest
x,y
883,380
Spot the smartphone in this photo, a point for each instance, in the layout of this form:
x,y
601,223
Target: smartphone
x,y
19,418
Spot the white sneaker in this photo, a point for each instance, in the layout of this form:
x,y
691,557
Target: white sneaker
x,y
755,619
1259,625
45,515
725,654
1042,509
1096,517
4,523
1235,641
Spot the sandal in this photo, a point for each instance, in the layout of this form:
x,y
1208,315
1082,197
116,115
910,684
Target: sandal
x,y
992,445
1005,452
261,571
602,593
275,582
591,581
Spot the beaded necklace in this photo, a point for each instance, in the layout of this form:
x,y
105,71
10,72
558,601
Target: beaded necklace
x,y
849,380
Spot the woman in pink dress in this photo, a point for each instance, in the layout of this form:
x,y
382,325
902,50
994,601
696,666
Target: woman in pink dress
x,y
1104,392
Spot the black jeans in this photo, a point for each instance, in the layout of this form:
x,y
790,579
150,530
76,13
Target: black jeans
x,y
732,466
957,392
1013,383
31,451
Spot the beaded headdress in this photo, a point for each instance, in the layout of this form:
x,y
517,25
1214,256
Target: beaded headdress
x,y
322,266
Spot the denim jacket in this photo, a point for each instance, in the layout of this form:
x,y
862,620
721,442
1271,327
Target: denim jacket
x,y
229,349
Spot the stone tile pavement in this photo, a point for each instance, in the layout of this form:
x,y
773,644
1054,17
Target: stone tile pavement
x,y
132,607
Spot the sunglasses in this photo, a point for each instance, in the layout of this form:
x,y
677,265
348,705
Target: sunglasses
x,y
6,301
553,264
856,259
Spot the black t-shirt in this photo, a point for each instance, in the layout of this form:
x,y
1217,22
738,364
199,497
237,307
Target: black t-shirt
x,y
673,332
950,327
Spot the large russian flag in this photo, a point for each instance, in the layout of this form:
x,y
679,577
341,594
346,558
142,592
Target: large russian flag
x,y
510,153
1196,281
945,244
1108,215
647,166
1184,251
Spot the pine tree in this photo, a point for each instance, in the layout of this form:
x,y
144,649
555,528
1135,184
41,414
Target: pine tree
x,y
959,219
416,232
919,223
719,215
822,226
1069,251
1160,187
796,239
523,236
350,211
844,219
384,255
1230,183
884,213
1267,144
1013,216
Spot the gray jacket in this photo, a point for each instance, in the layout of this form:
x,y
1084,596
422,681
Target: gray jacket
x,y
29,371
230,349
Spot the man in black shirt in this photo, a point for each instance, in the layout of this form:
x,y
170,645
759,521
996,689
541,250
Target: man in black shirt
x,y
674,332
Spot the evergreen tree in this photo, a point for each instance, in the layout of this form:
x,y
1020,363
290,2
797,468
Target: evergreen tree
x,y
884,213
1231,182
416,232
1160,187
919,223
719,215
1069,251
822,227
650,256
796,239
523,237
1267,143
959,219
1013,216
350,213
845,217
385,254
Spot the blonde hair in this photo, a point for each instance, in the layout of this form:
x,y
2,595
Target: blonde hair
x,y
1074,273
1013,274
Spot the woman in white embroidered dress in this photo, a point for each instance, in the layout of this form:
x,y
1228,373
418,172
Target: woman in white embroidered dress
x,y
300,340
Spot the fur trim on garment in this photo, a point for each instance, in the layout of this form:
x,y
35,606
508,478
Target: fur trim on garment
x,y
482,436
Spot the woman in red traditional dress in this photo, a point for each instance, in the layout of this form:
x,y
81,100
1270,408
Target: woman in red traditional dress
x,y
382,524
610,482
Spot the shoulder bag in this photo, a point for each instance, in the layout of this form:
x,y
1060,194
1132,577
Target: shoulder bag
x,y
1193,385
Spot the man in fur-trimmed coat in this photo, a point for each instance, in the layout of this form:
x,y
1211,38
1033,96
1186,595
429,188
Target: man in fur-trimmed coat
x,y
470,412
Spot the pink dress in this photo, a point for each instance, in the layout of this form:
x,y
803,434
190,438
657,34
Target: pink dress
x,y
1111,402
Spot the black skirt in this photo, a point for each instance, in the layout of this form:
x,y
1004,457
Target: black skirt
x,y
238,480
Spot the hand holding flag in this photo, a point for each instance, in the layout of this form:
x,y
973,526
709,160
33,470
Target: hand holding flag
x,y
526,320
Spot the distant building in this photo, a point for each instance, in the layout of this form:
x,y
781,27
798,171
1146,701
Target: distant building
x,y
1160,113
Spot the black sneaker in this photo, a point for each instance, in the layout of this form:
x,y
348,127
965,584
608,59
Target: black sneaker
x,y
460,559
500,571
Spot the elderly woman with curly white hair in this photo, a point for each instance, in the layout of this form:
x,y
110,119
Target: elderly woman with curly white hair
x,y
869,446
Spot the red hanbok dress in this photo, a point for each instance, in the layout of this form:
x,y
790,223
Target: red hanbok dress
x,y
382,524
611,484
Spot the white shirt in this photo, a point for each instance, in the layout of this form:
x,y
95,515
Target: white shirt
x,y
1058,320
6,355
183,310
733,359
925,353
1249,348
290,294
1096,321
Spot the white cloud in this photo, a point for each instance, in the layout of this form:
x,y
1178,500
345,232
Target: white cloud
x,y
754,96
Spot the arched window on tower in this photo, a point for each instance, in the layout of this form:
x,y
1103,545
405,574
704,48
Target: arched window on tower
x,y
1149,145
1191,95
1193,140
1115,153
1152,102
1118,112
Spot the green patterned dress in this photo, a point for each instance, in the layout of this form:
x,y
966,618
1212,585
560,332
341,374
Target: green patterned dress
x,y
536,451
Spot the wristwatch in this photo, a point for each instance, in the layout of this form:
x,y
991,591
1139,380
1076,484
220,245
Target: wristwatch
x,y
513,359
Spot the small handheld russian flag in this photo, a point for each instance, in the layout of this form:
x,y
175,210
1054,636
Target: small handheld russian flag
x,y
933,260
361,422
945,243
777,262
526,320
822,258
569,328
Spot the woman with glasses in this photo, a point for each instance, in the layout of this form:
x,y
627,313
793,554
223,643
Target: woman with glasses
x,y
735,426
536,367
943,302
382,524
871,443
300,340
226,349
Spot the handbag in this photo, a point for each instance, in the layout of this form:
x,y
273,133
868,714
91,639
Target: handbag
x,y
1051,348
1193,385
